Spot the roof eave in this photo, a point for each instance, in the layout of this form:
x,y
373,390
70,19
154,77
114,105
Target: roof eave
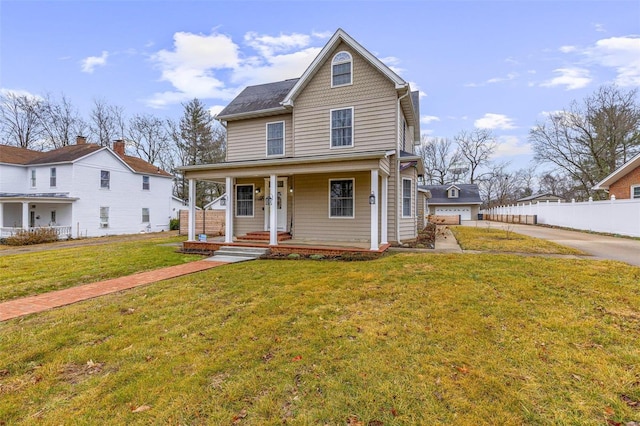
x,y
618,173
252,114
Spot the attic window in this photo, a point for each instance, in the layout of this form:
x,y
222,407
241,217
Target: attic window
x,y
453,193
341,69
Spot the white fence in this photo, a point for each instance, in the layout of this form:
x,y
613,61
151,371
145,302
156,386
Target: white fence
x,y
610,216
62,231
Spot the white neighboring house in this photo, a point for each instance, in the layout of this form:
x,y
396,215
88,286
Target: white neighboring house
x,y
82,190
219,203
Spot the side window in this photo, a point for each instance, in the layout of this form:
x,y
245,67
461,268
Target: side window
x,y
52,177
406,197
33,178
275,138
635,191
105,179
244,200
145,183
341,69
145,215
104,217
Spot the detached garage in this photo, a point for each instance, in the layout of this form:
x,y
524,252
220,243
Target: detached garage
x,y
452,200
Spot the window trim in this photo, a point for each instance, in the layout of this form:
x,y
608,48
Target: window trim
x,y
148,215
632,189
331,128
33,178
53,177
266,137
108,180
107,217
353,198
453,193
410,198
341,62
253,200
148,188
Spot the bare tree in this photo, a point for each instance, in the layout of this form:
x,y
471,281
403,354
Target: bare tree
x,y
589,140
440,160
106,122
150,139
475,148
60,122
19,121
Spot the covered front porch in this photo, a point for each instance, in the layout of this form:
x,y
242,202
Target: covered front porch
x,y
20,212
329,201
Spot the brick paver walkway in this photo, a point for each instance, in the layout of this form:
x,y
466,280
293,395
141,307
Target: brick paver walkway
x,y
42,302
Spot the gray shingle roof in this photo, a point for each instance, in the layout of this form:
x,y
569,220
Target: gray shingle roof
x,y
258,98
469,194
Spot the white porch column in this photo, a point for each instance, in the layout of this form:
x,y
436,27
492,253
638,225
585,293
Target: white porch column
x,y
273,210
191,234
228,214
374,209
25,215
384,206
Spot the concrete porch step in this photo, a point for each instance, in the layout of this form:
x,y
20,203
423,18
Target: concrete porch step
x,y
234,254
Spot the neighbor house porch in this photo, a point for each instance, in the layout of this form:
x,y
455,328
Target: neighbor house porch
x,y
20,212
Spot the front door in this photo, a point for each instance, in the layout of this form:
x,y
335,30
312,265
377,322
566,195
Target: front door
x,y
32,219
280,203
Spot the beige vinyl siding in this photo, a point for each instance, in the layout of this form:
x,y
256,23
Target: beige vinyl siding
x,y
372,96
247,139
311,204
408,225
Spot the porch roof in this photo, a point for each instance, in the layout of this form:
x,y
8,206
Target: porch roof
x,y
55,197
359,161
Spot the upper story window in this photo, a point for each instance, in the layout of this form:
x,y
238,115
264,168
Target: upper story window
x,y
453,192
341,128
406,197
341,198
145,183
275,138
403,135
635,191
52,177
244,200
33,178
341,69
105,179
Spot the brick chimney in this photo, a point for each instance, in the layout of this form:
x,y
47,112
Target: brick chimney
x,y
118,147
81,140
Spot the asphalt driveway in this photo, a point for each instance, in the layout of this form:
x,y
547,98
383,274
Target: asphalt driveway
x,y
599,246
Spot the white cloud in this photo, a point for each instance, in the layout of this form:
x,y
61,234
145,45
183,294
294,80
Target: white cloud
x,y
510,76
571,78
494,121
426,119
20,93
214,110
90,63
568,49
214,66
510,145
620,53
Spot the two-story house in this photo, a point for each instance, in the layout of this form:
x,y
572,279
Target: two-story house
x,y
326,157
82,190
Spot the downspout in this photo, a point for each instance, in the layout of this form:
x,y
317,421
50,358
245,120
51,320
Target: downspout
x,y
398,183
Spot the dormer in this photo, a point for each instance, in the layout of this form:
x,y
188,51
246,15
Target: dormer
x,y
453,191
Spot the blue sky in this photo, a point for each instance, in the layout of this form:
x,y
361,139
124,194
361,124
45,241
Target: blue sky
x,y
495,64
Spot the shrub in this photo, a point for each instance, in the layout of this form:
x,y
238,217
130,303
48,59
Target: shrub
x,y
316,257
174,224
294,256
36,236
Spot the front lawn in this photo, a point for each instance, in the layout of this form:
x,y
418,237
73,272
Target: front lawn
x,y
502,239
43,271
405,339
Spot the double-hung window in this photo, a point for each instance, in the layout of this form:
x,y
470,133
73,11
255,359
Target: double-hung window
x,y
52,177
145,215
104,217
33,178
275,138
406,197
105,179
145,183
341,128
341,70
341,198
244,200
635,191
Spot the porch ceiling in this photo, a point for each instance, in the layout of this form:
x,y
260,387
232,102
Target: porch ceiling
x,y
291,166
